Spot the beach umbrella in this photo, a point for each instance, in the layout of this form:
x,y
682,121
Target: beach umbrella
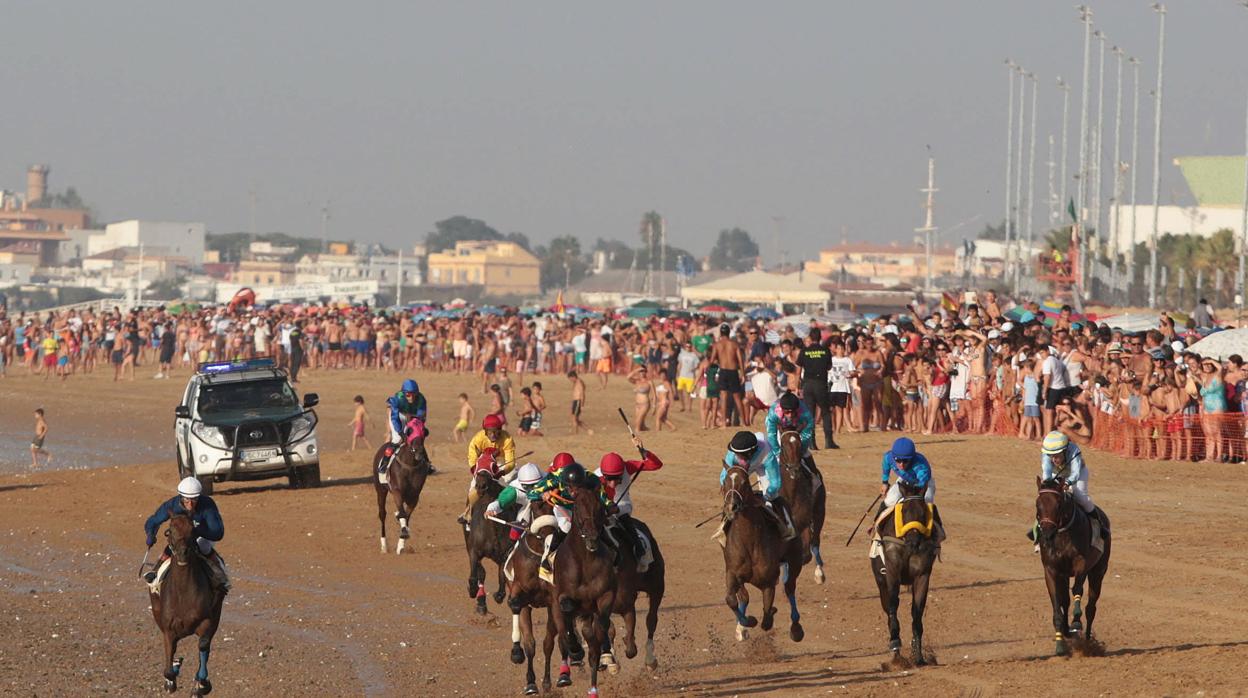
x,y
713,309
772,337
1222,344
1132,322
490,310
763,314
646,303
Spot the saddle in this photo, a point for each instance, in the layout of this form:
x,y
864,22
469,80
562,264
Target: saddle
x,y
643,550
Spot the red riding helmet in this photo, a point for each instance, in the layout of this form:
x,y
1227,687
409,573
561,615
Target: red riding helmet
x,y
561,460
492,421
612,465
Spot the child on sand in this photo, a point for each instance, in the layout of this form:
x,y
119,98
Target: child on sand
x,y
466,414
578,403
36,444
539,406
525,412
498,406
357,423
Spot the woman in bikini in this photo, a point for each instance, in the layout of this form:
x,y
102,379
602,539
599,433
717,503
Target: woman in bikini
x,y
642,392
663,392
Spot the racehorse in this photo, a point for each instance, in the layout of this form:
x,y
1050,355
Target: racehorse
x,y
1066,551
585,582
755,552
187,604
909,552
807,505
526,591
405,478
485,539
631,582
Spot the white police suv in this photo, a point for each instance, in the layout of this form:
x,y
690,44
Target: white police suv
x,y
241,420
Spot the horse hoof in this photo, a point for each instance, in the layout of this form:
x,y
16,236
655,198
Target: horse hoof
x,y
630,651
1062,650
203,687
517,654
565,680
819,578
742,633
796,633
530,690
481,609
170,685
750,621
768,621
652,663
499,596
404,534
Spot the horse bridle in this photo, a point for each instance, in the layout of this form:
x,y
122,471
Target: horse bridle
x,y
1062,495
794,469
732,492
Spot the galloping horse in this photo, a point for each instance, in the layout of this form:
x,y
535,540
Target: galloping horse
x,y
187,604
1066,551
485,540
910,549
631,582
585,582
755,552
405,478
807,505
526,591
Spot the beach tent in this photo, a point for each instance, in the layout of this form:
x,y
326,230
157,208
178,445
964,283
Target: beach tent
x,y
1220,345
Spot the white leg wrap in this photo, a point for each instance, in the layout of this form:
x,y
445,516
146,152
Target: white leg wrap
x,y
515,627
383,544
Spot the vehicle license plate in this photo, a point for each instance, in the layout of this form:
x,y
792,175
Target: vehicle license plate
x,y
259,454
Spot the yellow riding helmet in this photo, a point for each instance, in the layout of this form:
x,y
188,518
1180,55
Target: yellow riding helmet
x,y
1055,442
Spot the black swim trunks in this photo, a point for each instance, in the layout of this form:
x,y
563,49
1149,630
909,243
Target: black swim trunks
x,y
730,381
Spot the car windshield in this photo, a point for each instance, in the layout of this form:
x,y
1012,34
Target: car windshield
x,y
246,395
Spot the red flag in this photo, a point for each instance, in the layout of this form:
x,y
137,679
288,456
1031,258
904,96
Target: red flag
x,y
559,307
947,302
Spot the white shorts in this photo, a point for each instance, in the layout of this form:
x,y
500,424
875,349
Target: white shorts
x,y
459,348
894,493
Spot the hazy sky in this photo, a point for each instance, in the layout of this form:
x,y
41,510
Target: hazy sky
x,y
556,118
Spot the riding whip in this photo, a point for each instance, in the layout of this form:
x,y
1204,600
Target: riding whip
x,y
864,518
512,524
143,565
640,450
708,520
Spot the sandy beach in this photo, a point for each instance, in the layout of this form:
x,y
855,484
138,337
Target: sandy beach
x,y
317,610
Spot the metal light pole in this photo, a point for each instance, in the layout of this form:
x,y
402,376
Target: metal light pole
x,y
1031,172
1054,207
1009,167
1065,88
1096,230
1018,177
1243,239
1117,193
1135,161
1160,9
1085,15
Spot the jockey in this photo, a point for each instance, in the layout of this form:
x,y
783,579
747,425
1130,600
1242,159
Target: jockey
x,y
912,467
751,451
404,406
208,529
556,490
527,475
617,476
492,441
790,414
1061,459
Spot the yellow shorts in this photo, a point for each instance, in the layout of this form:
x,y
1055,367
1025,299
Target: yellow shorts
x,y
604,366
461,425
685,385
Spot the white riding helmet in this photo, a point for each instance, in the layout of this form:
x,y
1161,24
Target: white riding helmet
x,y
190,488
529,474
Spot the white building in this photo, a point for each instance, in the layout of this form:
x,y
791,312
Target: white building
x,y
326,268
15,274
175,239
77,246
1217,185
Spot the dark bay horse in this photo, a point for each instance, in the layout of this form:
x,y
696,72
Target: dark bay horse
x,y
631,583
405,479
1066,551
807,505
908,537
485,540
187,604
586,583
755,553
526,591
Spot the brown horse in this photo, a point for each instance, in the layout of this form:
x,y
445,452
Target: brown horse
x,y
187,604
526,591
806,496
631,583
755,552
908,557
405,478
485,540
585,581
1066,551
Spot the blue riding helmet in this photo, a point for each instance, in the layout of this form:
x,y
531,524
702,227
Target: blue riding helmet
x,y
903,449
409,386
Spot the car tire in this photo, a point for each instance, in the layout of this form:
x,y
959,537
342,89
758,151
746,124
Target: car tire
x,y
207,483
181,465
309,476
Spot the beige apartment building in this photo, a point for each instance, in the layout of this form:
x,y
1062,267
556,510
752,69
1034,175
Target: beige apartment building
x,y
502,268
